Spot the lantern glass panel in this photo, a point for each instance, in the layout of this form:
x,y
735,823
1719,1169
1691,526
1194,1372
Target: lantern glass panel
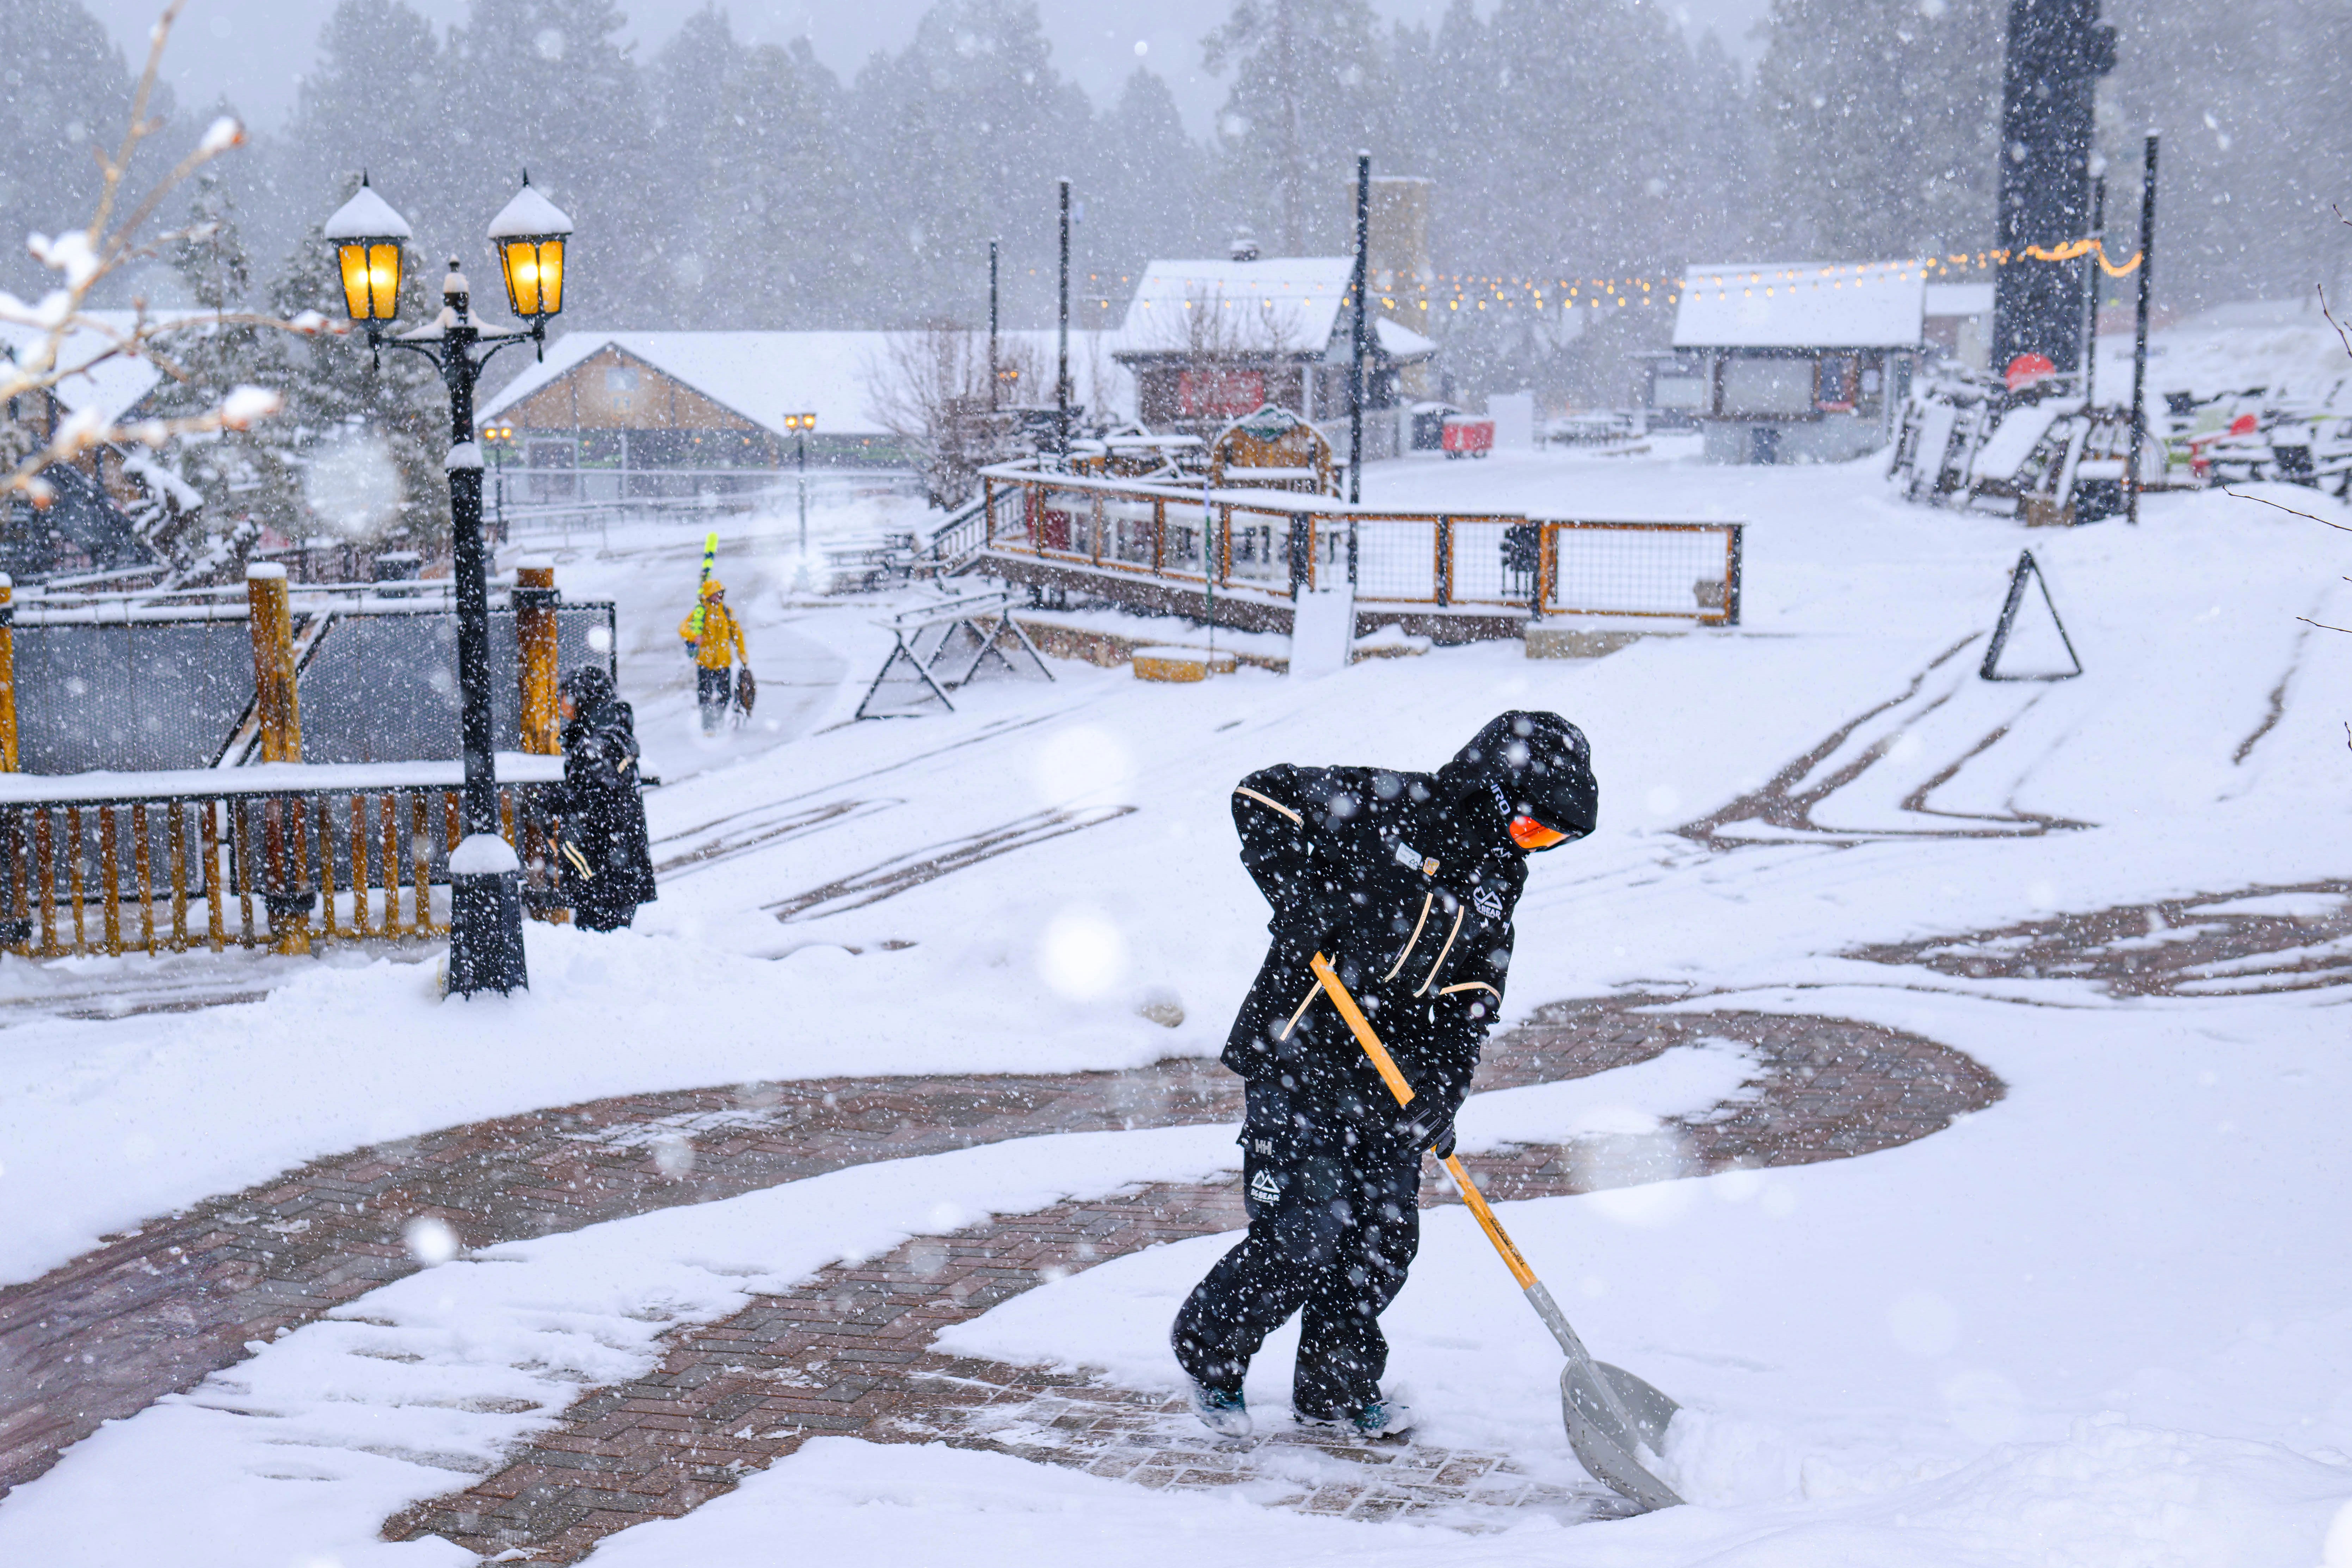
x,y
371,270
383,280
534,275
354,260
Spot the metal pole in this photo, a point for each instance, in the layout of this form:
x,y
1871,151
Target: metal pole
x,y
2139,327
991,327
485,905
1062,374
1357,349
803,488
2091,291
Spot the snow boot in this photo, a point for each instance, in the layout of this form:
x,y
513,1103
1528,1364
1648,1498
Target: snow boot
x,y
1379,1418
1220,1412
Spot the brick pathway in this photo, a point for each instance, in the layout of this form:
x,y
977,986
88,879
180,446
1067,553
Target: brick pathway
x,y
848,1352
156,1311
2173,947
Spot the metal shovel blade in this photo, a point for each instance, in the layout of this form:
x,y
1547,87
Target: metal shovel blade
x,y
1604,1445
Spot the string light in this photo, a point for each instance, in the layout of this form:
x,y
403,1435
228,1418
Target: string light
x,y
1480,290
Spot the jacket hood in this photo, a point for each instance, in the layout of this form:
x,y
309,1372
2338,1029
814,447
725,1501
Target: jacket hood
x,y
1527,764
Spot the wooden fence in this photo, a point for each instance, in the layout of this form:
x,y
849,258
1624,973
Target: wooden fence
x,y
1263,546
282,857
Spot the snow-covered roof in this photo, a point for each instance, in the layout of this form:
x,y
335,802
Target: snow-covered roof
x,y
763,376
111,387
1287,302
1401,342
1802,305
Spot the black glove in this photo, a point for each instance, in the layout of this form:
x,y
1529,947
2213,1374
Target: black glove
x,y
1429,1124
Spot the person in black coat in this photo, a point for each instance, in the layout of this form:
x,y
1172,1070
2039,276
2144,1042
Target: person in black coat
x,y
1406,882
605,862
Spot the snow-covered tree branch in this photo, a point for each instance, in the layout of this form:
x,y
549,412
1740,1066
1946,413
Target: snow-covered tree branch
x,y
73,340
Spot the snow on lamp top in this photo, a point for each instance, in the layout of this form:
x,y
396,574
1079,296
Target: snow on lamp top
x,y
528,216
367,216
366,234
529,235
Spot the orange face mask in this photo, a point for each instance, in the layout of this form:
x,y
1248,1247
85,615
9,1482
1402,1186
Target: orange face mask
x,y
1529,834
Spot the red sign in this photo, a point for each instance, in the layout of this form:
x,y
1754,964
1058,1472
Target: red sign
x,y
2027,369
1219,393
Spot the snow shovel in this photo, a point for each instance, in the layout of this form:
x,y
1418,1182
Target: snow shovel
x,y
1610,1414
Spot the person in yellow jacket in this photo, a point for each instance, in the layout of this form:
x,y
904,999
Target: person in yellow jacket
x,y
715,638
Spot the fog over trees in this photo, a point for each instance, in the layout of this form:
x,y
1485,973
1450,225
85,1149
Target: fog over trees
x,y
720,182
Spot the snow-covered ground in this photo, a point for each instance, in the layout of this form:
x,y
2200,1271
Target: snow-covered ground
x,y
2105,1322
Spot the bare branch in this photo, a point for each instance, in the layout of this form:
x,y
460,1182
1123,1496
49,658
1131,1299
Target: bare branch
x,y
2322,625
2332,322
84,257
2240,495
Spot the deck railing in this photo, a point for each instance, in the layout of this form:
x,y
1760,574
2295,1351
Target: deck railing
x,y
1264,544
280,856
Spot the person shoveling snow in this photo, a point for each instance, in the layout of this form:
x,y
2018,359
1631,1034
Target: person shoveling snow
x,y
1409,880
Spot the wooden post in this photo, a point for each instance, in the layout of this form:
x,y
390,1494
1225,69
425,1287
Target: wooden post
x,y
178,850
360,924
8,752
143,867
273,664
326,872
44,876
74,878
20,880
420,864
535,598
388,818
216,883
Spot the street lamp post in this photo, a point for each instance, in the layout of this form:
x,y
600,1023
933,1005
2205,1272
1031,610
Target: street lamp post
x,y
800,425
500,438
528,235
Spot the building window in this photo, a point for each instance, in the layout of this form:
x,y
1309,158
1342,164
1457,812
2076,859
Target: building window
x,y
1834,389
621,380
1766,386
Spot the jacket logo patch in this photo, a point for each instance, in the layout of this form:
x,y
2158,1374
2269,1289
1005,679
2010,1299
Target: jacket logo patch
x,y
1489,902
1264,1189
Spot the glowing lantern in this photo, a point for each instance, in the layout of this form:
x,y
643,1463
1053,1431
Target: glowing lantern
x,y
367,235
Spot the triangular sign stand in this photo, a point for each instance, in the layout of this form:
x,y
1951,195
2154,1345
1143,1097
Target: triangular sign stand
x,y
2032,635
920,690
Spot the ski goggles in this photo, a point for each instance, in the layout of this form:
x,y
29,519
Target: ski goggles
x,y
1529,834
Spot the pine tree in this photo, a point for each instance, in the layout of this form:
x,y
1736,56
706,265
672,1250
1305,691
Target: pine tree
x,y
246,479
371,438
959,138
1885,119
62,81
1310,87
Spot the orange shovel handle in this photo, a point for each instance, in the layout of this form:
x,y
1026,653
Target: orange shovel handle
x,y
1385,1064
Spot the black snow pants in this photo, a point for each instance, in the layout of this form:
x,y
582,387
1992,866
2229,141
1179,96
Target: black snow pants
x,y
714,690
1334,1224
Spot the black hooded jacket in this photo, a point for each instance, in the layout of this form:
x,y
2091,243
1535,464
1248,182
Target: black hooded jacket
x,y
1407,882
605,861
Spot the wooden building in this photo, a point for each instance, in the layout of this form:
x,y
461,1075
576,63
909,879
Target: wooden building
x,y
614,415
1209,342
1799,361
